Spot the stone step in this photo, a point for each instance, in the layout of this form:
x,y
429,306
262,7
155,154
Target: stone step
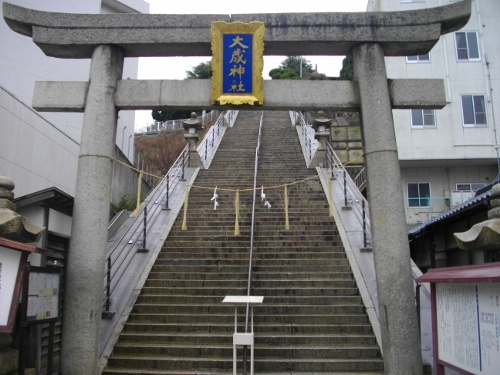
x,y
226,351
267,364
189,283
231,289
125,371
243,261
217,253
312,320
287,272
188,274
214,338
279,309
307,300
228,328
337,319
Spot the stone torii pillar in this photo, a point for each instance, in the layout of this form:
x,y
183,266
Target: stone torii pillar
x,y
85,268
396,300
367,36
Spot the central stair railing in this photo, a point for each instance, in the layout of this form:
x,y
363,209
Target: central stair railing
x,y
252,232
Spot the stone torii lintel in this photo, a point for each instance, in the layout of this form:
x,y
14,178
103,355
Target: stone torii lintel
x,y
400,33
194,94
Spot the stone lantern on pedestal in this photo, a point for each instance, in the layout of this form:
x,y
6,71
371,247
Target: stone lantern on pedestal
x,y
192,127
321,126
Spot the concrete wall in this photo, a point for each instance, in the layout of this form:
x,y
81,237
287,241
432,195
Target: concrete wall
x,y
124,180
34,152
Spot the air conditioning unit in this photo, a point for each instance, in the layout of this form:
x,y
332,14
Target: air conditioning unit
x,y
460,196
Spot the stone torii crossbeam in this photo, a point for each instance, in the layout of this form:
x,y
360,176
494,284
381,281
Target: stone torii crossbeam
x,y
367,37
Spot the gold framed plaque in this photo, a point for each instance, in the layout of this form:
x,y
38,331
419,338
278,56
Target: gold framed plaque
x,y
237,63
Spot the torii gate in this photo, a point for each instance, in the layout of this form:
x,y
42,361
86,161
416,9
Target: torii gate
x,y
108,39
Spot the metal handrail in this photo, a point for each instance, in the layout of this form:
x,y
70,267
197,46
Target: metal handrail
x,y
360,178
252,232
353,197
206,146
307,141
120,257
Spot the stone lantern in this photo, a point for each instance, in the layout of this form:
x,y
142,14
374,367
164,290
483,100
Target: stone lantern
x,y
192,128
485,235
321,126
12,225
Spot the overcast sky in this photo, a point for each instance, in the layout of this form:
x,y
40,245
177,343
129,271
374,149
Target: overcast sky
x,y
175,67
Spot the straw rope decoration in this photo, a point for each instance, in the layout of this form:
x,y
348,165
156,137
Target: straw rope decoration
x,y
186,198
138,201
237,213
329,197
287,223
237,191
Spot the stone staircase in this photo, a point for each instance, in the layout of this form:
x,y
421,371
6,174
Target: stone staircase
x,y
312,319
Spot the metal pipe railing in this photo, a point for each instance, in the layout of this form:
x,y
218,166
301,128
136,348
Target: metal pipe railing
x,y
307,141
252,232
353,197
121,255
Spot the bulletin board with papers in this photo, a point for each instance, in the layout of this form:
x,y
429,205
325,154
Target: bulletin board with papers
x,y
43,304
468,326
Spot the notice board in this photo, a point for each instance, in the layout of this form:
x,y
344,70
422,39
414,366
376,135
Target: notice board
x,y
468,326
43,303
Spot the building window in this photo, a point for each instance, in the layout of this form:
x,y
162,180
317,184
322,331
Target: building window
x,y
423,118
467,46
473,110
418,58
419,194
472,186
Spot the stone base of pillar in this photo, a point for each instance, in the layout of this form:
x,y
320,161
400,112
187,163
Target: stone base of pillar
x,y
318,160
195,160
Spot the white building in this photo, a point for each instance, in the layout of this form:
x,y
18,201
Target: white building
x,y
445,155
40,150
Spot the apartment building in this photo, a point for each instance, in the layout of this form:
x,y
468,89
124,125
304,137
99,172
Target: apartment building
x,y
446,155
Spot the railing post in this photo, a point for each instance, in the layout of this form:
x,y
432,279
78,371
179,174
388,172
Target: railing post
x,y
144,248
166,195
108,285
183,164
206,150
107,313
364,223
310,152
345,189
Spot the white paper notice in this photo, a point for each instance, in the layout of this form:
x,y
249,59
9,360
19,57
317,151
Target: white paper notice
x,y
9,266
468,324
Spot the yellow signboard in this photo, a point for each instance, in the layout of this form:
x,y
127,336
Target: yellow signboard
x,y
237,63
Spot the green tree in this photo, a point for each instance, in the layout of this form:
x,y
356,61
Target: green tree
x,y
290,68
201,71
347,71
279,73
